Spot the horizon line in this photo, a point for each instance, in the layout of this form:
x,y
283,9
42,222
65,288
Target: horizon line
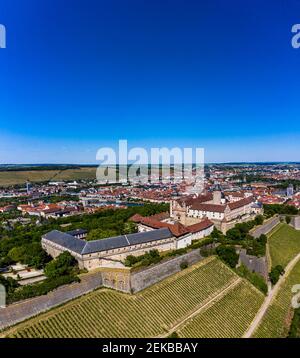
x,y
99,164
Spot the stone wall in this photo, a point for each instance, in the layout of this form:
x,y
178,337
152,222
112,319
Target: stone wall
x,y
131,282
254,263
22,310
295,222
150,276
118,279
225,226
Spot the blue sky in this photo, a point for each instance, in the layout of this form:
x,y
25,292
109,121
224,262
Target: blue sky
x,y
78,75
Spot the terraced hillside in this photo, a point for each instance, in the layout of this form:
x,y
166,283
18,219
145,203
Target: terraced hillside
x,y
228,317
284,244
276,321
152,312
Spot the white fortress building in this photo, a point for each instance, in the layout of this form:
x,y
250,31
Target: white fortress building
x,y
223,210
112,252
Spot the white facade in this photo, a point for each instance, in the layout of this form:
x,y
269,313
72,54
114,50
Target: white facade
x,y
183,242
212,215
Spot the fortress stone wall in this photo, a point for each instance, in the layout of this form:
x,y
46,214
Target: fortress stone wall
x,y
295,222
152,275
122,279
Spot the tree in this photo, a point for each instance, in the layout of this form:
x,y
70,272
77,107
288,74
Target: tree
x,y
173,335
130,260
63,265
259,220
258,246
184,265
99,234
130,228
29,254
234,234
5,261
17,253
272,209
9,283
228,255
150,257
207,250
295,325
216,234
275,273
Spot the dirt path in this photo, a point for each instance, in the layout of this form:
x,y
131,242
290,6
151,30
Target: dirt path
x,y
217,297
258,318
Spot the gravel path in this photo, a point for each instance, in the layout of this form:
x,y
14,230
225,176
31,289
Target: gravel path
x,y
272,294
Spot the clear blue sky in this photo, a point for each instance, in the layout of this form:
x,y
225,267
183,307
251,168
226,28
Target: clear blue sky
x,y
81,74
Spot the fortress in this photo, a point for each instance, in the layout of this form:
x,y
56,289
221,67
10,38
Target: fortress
x,y
191,218
111,252
223,209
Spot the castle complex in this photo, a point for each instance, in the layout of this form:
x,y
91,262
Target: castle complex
x,y
224,210
191,218
153,233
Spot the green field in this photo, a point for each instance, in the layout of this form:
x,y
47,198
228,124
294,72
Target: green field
x,y
228,317
20,177
284,244
276,322
152,312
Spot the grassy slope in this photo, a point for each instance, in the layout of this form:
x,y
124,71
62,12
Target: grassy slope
x,y
152,312
284,244
275,323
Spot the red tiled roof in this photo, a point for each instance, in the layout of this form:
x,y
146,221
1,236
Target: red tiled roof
x,y
190,200
236,194
136,218
49,211
177,229
161,216
204,224
240,203
209,207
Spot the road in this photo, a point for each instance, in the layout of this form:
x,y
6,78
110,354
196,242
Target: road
x,y
272,294
266,227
